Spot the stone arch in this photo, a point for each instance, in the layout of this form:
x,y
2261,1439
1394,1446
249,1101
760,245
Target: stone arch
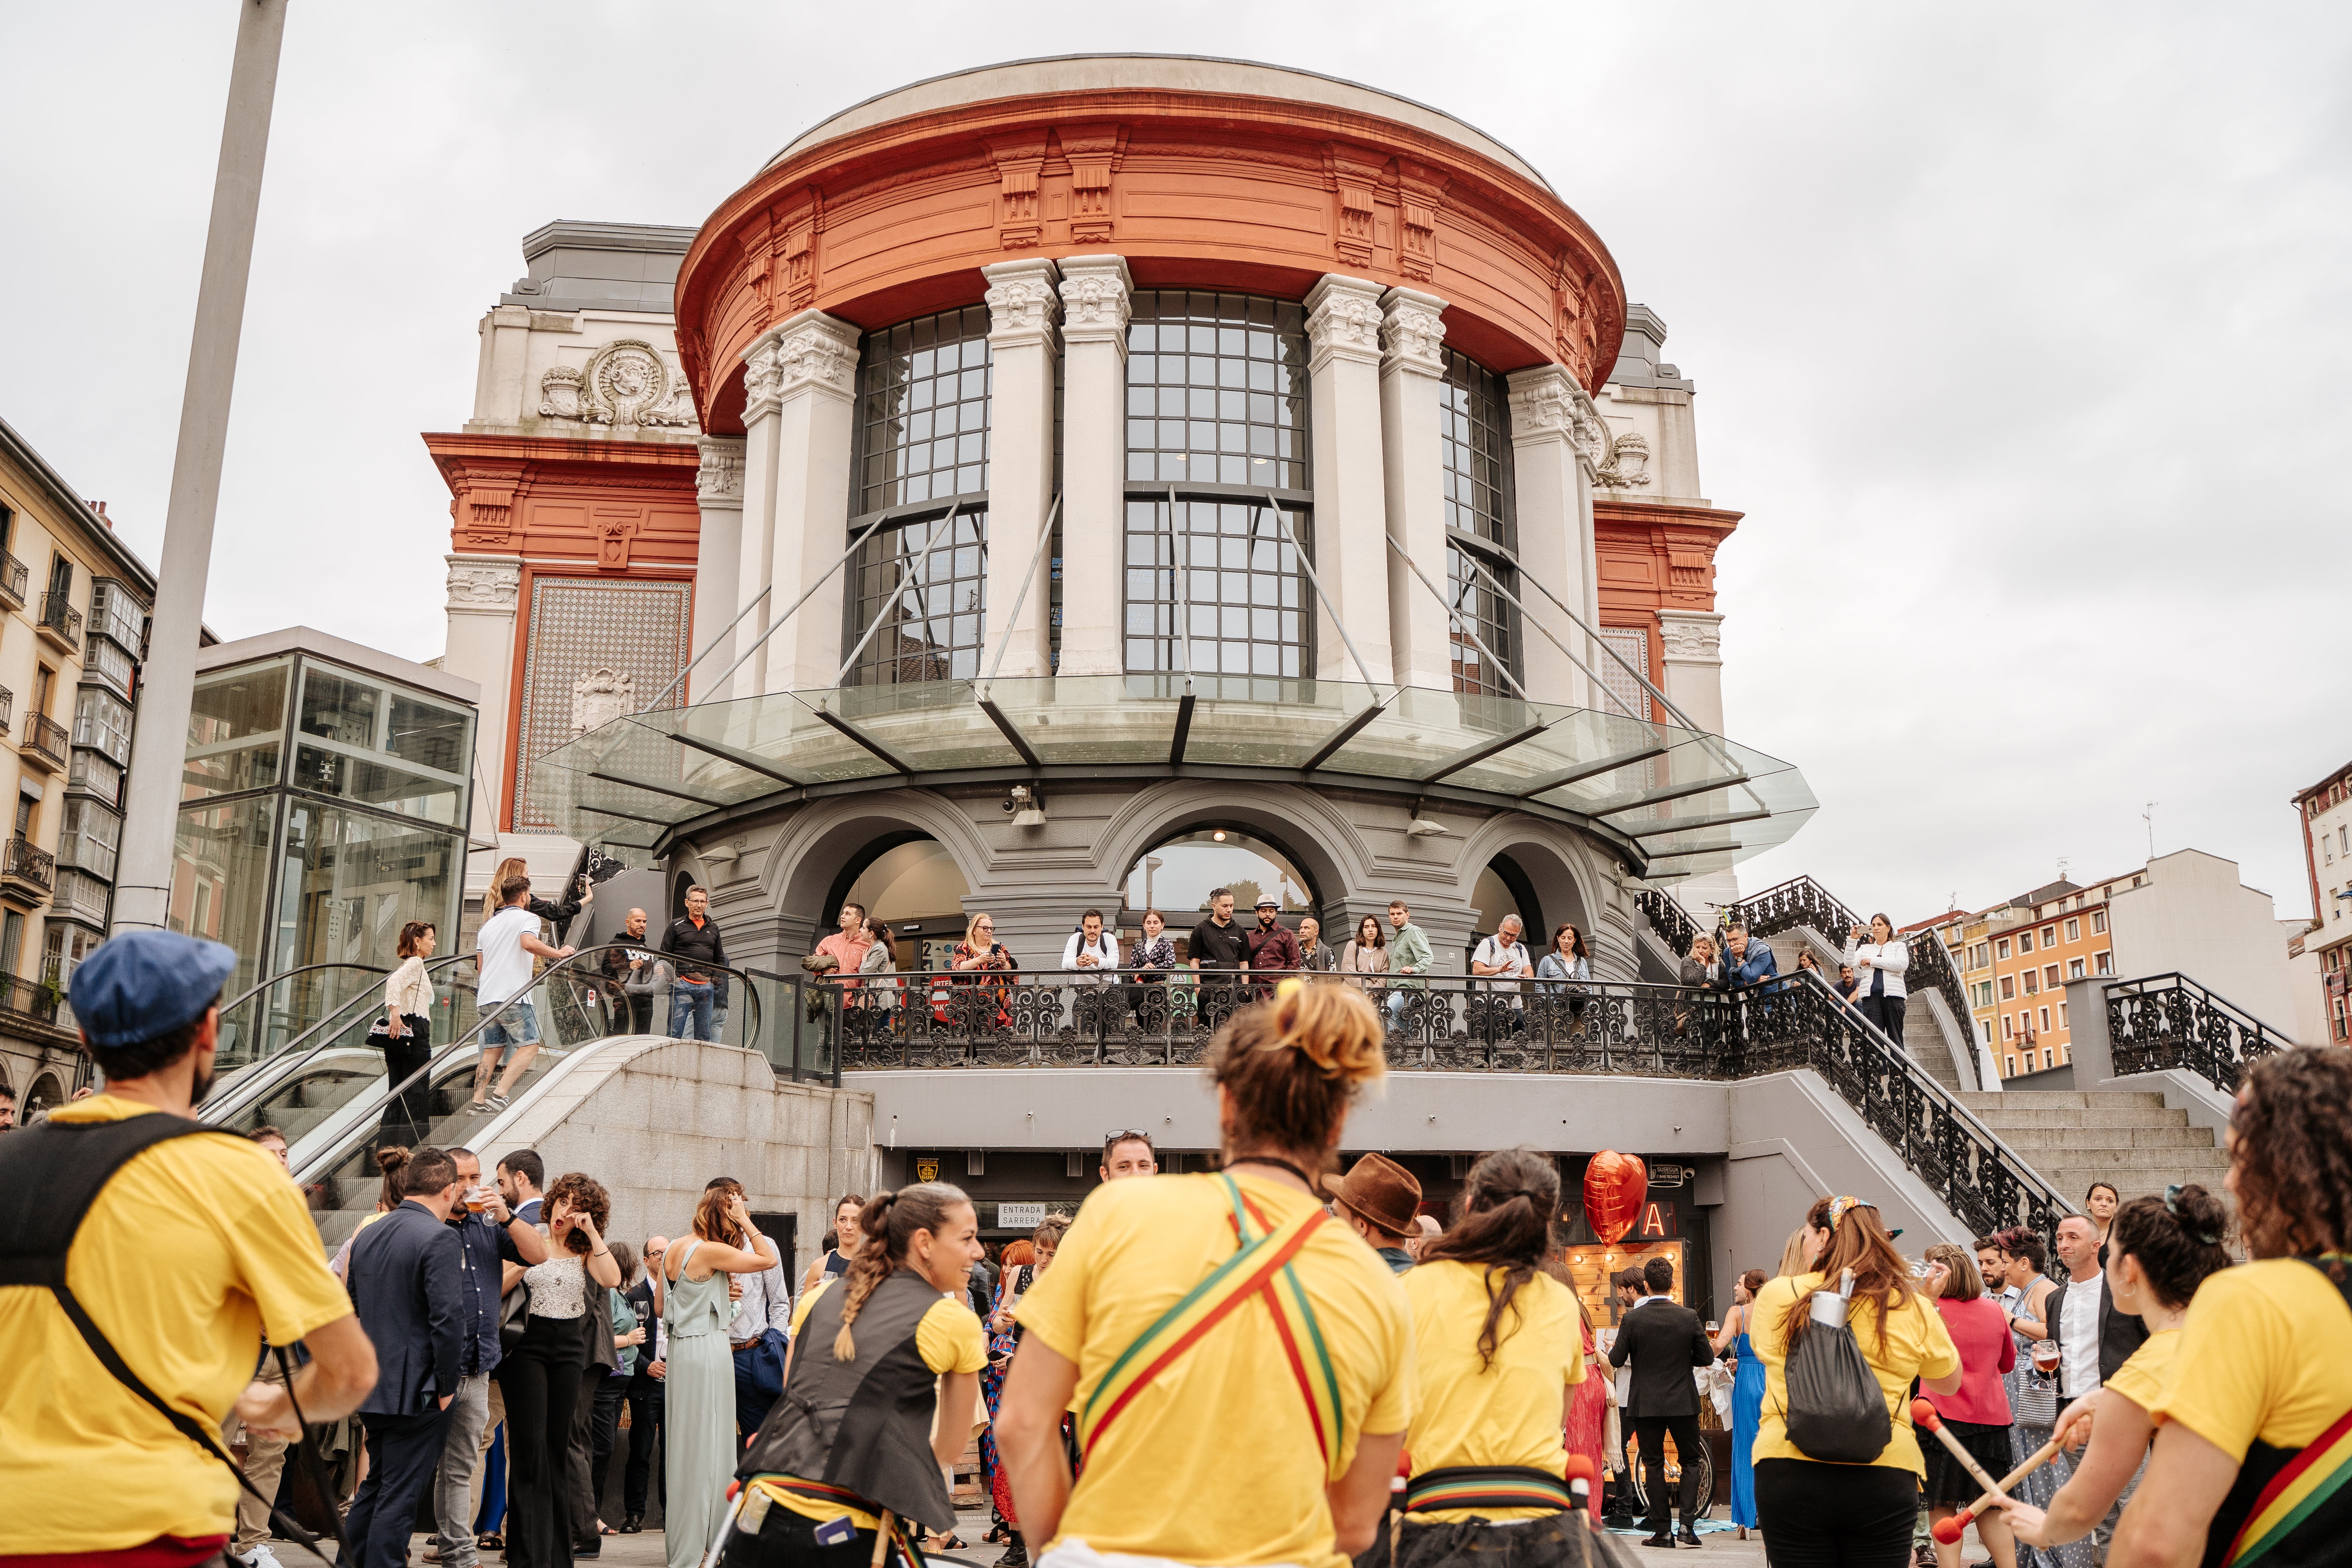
x,y
1565,885
805,863
49,1092
1315,836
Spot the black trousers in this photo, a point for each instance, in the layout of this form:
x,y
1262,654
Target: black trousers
x,y
408,1119
788,1540
603,1435
580,1489
1836,1516
403,1453
640,1475
540,1379
1886,1012
1653,1432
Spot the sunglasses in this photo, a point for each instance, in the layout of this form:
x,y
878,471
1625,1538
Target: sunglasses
x,y
1121,1134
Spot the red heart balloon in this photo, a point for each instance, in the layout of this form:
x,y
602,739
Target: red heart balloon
x,y
1614,1186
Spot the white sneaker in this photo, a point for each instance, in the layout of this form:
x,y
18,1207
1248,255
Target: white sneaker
x,y
261,1557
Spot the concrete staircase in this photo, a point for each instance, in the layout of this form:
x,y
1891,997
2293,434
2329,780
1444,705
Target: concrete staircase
x,y
1924,1033
2073,1138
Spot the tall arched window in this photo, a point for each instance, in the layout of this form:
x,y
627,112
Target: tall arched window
x,y
922,448
1475,451
1216,405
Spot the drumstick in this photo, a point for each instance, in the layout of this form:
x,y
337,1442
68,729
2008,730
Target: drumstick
x,y
1948,1530
882,1539
1924,1414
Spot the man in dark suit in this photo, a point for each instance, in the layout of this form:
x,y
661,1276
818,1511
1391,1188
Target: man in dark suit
x,y
408,1285
1664,1341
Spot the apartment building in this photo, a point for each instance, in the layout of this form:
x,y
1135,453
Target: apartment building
x,y
74,605
2325,809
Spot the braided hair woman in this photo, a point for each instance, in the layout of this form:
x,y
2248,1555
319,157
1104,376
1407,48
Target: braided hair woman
x,y
1499,1350
880,1388
1239,1360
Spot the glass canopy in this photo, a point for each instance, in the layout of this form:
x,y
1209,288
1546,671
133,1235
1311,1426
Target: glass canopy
x,y
1688,803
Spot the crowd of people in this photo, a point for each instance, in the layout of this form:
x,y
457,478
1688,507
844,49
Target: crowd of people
x,y
1268,1363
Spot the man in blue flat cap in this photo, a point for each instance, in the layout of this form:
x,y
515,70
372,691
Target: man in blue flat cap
x,y
193,1245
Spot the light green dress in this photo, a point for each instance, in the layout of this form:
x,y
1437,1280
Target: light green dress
x,y
698,1412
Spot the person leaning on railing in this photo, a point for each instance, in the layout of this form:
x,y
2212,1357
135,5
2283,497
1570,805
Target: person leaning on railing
x,y
1699,972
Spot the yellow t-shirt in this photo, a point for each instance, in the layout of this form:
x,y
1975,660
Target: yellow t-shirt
x,y
949,1339
2142,1379
1507,1413
194,1250
1215,1460
2266,1353
1916,1345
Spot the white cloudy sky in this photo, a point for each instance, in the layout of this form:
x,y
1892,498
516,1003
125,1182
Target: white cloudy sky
x,y
2021,335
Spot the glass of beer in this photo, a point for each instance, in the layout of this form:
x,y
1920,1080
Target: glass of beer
x,y
477,1200
2045,1356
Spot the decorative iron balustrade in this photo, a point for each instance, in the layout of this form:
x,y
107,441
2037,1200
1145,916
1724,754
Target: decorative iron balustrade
x,y
14,576
1801,902
60,619
1059,1018
1668,918
46,739
2163,1021
26,861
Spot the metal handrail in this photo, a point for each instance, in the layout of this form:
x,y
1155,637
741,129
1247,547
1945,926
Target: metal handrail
x,y
256,989
250,1082
2194,1029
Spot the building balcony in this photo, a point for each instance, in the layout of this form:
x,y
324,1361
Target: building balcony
x,y
14,576
60,623
28,870
7,708
82,896
45,743
29,999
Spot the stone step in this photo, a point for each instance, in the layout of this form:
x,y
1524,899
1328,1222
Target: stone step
x,y
2149,1160
2064,1137
2072,1184
2063,1099
2100,1117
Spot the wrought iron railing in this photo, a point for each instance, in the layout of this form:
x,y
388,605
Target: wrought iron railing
x,y
46,738
26,861
1059,1018
58,616
14,576
1668,918
2163,1021
1801,902
36,999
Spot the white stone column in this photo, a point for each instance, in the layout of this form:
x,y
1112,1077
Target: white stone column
x,y
1692,641
814,358
484,591
717,561
1096,306
1344,412
498,375
755,521
1412,370
1022,310
1556,438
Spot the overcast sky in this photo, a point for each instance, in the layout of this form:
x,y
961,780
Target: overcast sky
x,y
2021,337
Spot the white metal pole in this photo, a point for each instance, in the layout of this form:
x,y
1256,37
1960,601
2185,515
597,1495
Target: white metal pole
x,y
167,684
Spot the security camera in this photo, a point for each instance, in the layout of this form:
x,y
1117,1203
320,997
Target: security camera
x,y
1027,808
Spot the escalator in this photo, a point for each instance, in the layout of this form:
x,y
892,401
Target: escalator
x,y
585,1025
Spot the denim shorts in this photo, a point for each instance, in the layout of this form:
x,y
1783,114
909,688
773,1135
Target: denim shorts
x,y
517,1026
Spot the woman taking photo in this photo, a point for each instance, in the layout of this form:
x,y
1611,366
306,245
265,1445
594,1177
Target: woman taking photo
x,y
2261,1373
1172,1312
1569,961
540,1378
1746,1398
1978,1415
1817,1512
879,1389
1498,1353
406,1039
699,1382
981,964
1878,961
2162,1250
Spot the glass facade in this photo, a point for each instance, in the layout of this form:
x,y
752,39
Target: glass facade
x,y
1475,450
324,861
1216,390
1240,586
922,443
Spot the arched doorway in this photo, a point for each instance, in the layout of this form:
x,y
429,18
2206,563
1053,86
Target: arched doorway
x,y
47,1094
1179,873
910,881
1501,891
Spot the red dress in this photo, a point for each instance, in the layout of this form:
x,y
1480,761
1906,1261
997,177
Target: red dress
x,y
1588,1413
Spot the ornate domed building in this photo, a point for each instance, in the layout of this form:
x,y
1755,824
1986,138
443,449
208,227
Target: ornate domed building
x,y
1080,482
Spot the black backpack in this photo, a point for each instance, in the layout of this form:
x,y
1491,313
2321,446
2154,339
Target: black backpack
x,y
50,1176
1836,1410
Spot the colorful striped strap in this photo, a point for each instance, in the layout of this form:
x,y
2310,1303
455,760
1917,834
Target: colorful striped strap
x,y
907,1539
1485,1485
2303,1486
1261,1268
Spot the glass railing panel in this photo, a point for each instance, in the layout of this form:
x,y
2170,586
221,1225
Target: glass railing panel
x,y
260,1023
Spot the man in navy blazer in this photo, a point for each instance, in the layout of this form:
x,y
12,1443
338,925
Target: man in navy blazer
x,y
408,1285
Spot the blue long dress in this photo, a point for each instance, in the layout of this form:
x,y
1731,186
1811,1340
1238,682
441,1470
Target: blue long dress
x,y
1747,1416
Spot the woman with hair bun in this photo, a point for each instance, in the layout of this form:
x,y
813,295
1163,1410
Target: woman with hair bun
x,y
880,1388
1239,1361
1498,1351
2159,1250
1826,1511
2253,1426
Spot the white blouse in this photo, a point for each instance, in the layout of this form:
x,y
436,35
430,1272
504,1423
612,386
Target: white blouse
x,y
558,1288
408,989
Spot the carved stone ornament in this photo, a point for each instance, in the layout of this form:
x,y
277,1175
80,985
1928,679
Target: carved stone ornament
x,y
1690,640
1021,306
477,585
1552,403
719,480
627,384
1343,322
1628,463
1095,304
600,696
811,350
1413,334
